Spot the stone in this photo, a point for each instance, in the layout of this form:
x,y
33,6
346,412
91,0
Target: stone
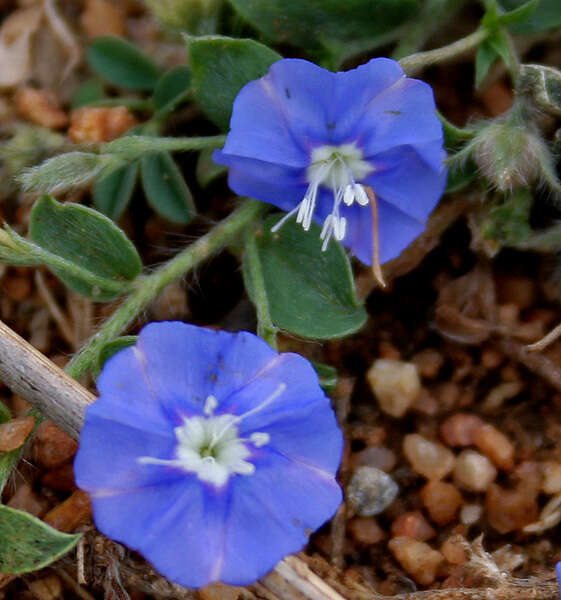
x,y
417,558
459,429
375,456
395,384
551,482
495,446
371,491
430,459
442,501
413,524
473,471
365,531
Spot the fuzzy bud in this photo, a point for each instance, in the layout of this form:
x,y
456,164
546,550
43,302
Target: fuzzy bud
x,y
510,155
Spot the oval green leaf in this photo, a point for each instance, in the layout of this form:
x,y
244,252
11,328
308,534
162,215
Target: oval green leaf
x,y
112,194
221,66
86,238
315,23
172,89
547,15
165,188
310,293
122,64
28,544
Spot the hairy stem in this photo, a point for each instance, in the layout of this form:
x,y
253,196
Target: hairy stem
x,y
149,286
416,62
253,276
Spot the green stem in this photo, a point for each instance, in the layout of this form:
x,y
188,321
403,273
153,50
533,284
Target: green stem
x,y
416,62
133,147
255,284
151,285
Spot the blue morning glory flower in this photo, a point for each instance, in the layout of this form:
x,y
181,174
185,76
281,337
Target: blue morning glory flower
x,y
210,453
359,151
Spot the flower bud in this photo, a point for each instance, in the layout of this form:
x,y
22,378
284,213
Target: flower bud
x,y
544,85
510,155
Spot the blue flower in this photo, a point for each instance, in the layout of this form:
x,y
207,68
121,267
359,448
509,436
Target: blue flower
x,y
210,453
359,151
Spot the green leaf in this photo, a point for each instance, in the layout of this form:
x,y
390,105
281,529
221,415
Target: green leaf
x,y
327,376
316,23
547,15
115,346
28,544
172,89
122,64
85,238
484,60
207,170
310,293
165,188
112,194
90,91
221,67
520,14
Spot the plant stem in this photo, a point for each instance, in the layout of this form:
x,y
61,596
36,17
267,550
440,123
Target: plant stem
x,y
149,286
253,276
132,147
416,62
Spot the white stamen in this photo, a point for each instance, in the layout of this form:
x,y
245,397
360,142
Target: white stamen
x,y
259,438
349,195
210,404
210,445
360,194
338,168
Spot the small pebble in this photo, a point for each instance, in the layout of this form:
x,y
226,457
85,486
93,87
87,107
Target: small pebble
x,y
48,588
430,459
429,362
473,471
219,591
497,396
375,456
551,483
365,531
395,384
495,446
413,524
53,446
459,429
371,491
91,124
510,510
40,107
442,501
27,500
417,558
453,550
470,514
13,433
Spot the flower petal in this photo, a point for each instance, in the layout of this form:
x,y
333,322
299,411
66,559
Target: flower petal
x,y
404,114
107,459
403,178
247,181
355,90
261,530
179,528
185,364
259,127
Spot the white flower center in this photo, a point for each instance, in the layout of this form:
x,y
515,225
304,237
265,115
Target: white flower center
x,y
338,168
210,445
